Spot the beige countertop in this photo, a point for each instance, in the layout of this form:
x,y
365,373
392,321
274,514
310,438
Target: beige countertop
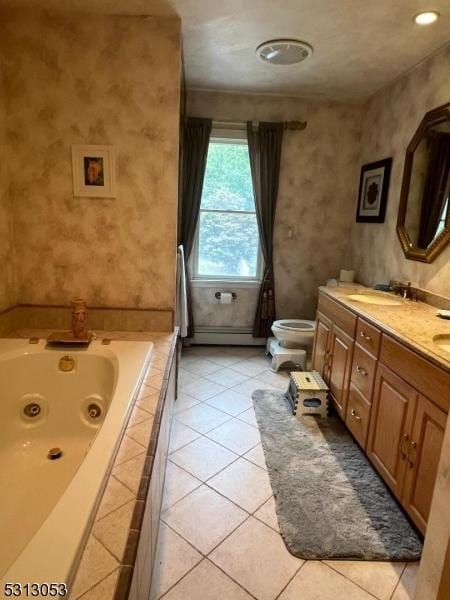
x,y
413,323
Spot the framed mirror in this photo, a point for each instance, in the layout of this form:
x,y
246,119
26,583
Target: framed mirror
x,y
423,223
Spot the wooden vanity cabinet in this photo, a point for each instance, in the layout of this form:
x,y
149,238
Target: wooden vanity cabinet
x,y
394,401
390,425
321,345
426,438
333,349
339,368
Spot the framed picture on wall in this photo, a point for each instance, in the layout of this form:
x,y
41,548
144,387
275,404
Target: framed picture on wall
x,y
373,191
94,171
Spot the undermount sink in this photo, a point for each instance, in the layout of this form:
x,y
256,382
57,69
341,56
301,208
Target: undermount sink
x,y
375,299
443,341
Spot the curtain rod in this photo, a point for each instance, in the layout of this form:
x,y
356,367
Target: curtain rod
x,y
290,125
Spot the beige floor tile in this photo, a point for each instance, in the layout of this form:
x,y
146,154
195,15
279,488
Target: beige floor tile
x,y
267,514
206,582
406,587
244,483
203,458
202,417
263,360
115,496
256,557
180,435
225,360
316,581
148,402
216,517
201,351
129,473
249,367
103,590
227,377
201,367
204,518
378,578
183,402
178,483
112,530
236,436
230,402
249,417
96,564
274,380
204,389
141,433
128,449
256,456
174,558
185,378
243,351
246,388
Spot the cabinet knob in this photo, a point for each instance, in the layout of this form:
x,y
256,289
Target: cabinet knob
x,y
361,370
355,415
365,336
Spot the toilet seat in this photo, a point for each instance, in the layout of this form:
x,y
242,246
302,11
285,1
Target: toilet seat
x,y
295,325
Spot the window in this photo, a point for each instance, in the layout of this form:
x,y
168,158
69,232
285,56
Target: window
x,y
227,244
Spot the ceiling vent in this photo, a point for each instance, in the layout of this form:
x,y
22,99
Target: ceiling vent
x,y
283,53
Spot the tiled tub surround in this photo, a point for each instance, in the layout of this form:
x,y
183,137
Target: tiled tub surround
x,y
107,562
412,323
219,537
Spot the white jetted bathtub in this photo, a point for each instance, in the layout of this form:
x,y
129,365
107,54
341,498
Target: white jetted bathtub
x,y
59,430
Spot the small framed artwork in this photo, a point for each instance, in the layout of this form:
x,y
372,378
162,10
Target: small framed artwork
x,y
373,191
94,171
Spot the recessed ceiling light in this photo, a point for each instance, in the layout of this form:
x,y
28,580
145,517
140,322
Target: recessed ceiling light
x,y
283,53
426,18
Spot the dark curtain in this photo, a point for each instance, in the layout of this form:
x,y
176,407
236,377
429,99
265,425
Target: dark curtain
x,y
264,145
196,134
436,184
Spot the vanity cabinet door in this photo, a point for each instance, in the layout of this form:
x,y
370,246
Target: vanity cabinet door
x,y
321,342
423,459
390,425
340,365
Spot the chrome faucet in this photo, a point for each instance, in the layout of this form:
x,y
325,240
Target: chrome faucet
x,y
405,290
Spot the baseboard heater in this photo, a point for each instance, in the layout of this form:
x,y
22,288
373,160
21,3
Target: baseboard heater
x,y
226,336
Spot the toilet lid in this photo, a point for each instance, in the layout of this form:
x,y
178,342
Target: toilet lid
x,y
297,325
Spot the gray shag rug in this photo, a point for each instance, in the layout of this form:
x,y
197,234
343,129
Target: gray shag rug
x,y
330,502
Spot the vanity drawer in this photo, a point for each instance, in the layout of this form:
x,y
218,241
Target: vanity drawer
x,y
340,316
368,336
358,416
363,371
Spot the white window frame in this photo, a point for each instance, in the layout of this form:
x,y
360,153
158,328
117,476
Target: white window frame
x,y
225,136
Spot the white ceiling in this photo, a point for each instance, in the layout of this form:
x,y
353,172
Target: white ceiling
x,y
359,45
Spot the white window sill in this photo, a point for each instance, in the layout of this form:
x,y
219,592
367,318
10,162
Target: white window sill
x,y
228,283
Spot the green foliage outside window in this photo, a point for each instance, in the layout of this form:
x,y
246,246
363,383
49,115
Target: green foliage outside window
x,y
228,242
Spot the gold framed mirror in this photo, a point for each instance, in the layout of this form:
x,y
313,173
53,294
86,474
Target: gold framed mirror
x,y
423,223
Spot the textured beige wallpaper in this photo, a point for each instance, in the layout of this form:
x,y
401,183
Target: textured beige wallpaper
x,y
391,119
92,80
319,168
7,295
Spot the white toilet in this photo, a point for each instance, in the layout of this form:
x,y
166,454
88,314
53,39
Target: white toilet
x,y
292,342
294,333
